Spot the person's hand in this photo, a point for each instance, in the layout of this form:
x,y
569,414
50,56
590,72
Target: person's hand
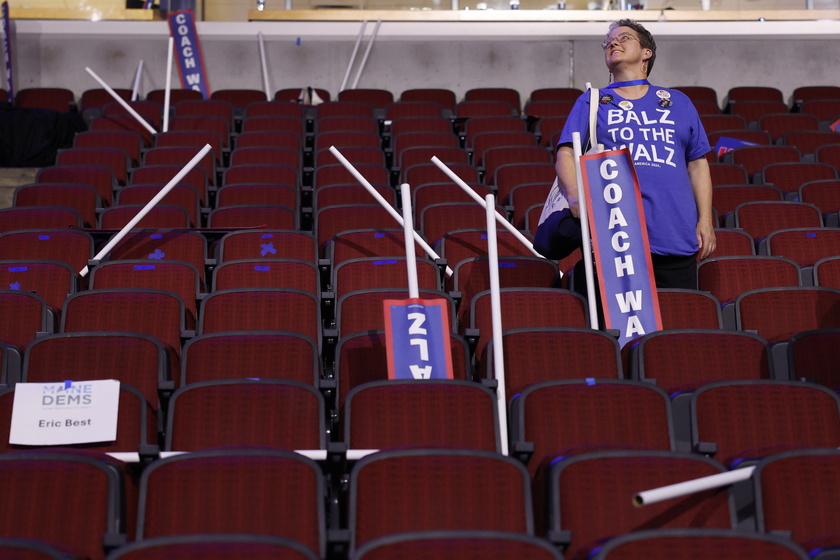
x,y
574,206
706,238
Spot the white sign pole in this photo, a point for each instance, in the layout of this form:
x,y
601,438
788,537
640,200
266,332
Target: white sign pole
x,y
501,219
264,65
146,209
135,90
121,101
168,89
496,315
353,56
410,257
691,486
367,53
586,240
390,209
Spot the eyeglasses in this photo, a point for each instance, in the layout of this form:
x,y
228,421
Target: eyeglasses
x,y
621,39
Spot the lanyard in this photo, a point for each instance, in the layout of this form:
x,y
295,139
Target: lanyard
x,y
642,82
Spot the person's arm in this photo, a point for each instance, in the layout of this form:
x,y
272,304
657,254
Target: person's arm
x,y
701,186
566,177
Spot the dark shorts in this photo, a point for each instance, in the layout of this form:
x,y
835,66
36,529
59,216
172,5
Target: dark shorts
x,y
675,271
669,271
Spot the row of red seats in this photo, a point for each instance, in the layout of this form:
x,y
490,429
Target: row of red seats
x,y
461,504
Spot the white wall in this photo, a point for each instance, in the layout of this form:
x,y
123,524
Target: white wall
x,y
458,56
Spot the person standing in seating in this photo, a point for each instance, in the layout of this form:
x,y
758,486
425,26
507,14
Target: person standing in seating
x,y
668,145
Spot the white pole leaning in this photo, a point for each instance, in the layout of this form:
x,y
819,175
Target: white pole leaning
x,y
496,316
168,89
146,209
585,236
353,56
367,53
384,203
691,486
136,88
475,196
121,101
408,229
264,66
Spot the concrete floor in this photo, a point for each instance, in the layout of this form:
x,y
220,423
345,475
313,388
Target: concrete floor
x,y
11,177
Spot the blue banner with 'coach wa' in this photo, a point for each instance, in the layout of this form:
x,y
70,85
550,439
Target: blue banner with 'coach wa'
x,y
620,242
188,52
7,51
417,339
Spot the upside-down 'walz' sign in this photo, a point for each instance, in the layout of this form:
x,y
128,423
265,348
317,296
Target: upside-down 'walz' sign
x,y
417,339
188,52
620,242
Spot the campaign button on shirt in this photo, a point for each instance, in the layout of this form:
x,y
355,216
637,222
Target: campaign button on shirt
x,y
626,105
663,94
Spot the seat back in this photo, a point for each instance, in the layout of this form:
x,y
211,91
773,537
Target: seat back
x,y
239,412
693,544
689,309
73,247
417,490
252,309
267,244
749,419
214,547
251,355
564,418
72,499
526,307
30,317
134,359
795,492
728,277
362,357
247,487
777,314
588,496
684,359
274,273
429,413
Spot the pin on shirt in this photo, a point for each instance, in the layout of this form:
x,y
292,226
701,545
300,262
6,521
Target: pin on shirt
x,y
663,94
606,99
665,103
626,105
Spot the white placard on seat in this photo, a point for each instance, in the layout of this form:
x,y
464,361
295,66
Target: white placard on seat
x,y
65,413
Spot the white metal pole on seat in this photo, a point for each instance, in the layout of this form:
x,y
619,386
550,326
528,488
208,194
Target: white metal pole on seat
x,y
135,90
475,196
384,203
367,53
691,486
496,314
167,91
121,101
264,66
353,56
146,209
585,236
408,229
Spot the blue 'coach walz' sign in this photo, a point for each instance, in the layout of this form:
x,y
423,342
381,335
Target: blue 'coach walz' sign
x,y
620,242
7,50
188,52
417,339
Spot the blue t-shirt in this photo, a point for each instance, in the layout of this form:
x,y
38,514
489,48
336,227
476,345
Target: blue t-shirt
x,y
663,132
